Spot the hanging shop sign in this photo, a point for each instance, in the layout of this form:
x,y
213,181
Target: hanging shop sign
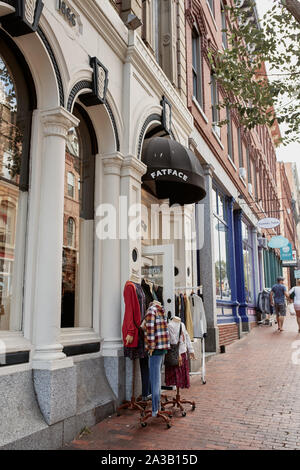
x,y
297,274
25,17
99,84
173,171
278,242
268,223
286,253
292,263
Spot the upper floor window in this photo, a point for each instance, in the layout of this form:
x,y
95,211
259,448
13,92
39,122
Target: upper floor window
x,y
249,170
71,232
224,26
211,4
240,148
215,104
229,133
197,68
71,184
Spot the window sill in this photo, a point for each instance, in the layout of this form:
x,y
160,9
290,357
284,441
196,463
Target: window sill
x,y
74,336
14,342
243,181
200,109
217,138
232,162
212,15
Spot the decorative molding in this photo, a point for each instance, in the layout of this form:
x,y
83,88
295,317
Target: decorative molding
x,y
82,85
151,118
25,19
55,66
113,121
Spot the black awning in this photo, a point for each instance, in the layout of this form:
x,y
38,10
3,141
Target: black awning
x,y
173,171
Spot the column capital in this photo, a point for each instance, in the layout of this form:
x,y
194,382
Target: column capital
x,y
112,163
208,170
134,167
58,121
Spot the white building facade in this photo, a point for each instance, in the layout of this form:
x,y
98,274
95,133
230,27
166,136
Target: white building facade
x,y
80,91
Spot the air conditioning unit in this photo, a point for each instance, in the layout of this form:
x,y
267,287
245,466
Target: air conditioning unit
x,y
242,172
263,242
250,189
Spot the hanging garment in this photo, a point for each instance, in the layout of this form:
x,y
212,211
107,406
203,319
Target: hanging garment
x,y
188,317
159,293
179,375
138,352
198,316
156,328
155,364
132,315
148,294
177,309
182,308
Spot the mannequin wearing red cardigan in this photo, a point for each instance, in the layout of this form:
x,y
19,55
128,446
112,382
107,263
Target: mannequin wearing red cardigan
x,y
132,316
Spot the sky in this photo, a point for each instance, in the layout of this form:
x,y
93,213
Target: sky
x,y
291,152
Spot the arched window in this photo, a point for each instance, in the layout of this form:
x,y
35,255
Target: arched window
x,y
71,232
77,268
17,100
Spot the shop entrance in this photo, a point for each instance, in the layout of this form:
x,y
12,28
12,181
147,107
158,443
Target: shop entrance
x,y
158,267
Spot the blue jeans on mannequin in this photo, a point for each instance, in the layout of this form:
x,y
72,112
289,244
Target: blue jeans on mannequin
x,y
155,363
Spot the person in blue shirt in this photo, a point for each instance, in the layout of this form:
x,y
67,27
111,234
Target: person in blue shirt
x,y
277,298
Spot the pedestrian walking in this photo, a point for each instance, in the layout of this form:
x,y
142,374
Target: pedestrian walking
x,y
277,297
295,296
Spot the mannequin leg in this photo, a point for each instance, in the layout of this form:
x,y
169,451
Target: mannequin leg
x,y
144,366
155,363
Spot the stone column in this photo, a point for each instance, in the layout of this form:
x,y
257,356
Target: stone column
x,y
255,264
207,266
131,176
111,292
53,374
56,123
111,269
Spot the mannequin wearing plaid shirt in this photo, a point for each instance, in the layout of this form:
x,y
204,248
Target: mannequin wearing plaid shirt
x,y
157,342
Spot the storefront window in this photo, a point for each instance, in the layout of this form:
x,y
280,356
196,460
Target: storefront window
x,y
77,269
222,268
248,262
13,201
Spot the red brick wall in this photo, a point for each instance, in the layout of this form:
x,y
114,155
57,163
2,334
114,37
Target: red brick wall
x,y
228,334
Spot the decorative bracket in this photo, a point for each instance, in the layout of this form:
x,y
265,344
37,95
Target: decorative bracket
x,y
25,19
166,118
99,84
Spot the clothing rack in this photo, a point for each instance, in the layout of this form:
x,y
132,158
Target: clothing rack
x,y
188,287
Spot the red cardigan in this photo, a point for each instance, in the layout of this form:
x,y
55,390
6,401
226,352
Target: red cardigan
x,y
132,316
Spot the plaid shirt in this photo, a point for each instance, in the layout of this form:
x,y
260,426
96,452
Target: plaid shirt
x,y
156,329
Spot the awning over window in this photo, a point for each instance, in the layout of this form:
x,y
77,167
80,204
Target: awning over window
x,y
173,172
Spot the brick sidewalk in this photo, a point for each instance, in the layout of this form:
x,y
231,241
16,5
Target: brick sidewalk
x,y
251,401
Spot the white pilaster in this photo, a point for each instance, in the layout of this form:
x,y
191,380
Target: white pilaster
x,y
56,123
111,269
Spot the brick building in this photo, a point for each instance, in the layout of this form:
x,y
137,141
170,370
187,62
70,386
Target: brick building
x,y
242,182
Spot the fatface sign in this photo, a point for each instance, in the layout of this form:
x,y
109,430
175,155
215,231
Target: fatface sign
x,y
169,172
268,222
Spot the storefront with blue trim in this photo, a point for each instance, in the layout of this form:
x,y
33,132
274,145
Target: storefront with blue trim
x,y
237,273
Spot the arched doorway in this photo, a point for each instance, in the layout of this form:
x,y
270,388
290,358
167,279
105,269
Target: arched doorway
x,y
78,241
